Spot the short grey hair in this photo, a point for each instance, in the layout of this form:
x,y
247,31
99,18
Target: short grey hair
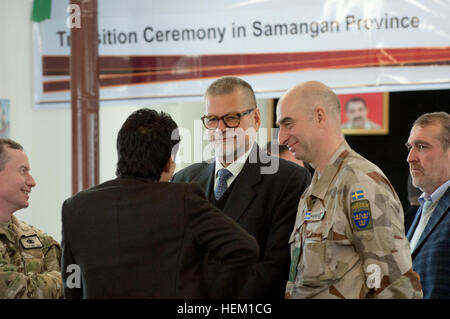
x,y
442,118
228,84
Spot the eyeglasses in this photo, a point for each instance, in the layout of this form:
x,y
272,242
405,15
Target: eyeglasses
x,y
231,120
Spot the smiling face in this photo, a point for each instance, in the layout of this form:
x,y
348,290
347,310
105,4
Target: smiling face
x,y
16,181
295,128
231,143
429,163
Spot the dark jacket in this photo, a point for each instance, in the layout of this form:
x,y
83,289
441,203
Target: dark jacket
x,y
265,205
137,238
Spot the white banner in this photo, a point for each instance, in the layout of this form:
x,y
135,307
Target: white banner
x,y
171,48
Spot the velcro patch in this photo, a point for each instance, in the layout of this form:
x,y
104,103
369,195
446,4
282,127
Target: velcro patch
x,y
361,216
31,242
314,216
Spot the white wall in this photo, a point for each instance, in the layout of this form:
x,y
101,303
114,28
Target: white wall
x,y
46,134
16,83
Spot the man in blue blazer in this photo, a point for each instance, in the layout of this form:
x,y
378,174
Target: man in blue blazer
x,y
429,234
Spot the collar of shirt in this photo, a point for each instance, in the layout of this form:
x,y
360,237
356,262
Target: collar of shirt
x,y
4,227
437,194
235,168
14,228
20,228
322,181
369,125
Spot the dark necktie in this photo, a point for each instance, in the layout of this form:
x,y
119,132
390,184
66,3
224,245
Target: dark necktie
x,y
221,187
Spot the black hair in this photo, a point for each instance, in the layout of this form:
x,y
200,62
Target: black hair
x,y
145,143
355,99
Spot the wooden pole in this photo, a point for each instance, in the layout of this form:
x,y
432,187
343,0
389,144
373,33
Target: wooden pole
x,y
84,73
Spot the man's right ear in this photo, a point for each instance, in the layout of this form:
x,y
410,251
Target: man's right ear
x,y
169,164
168,170
320,115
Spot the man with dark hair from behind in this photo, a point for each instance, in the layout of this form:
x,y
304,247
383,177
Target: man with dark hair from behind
x,y
138,236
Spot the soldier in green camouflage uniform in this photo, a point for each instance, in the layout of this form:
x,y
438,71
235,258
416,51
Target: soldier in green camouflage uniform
x,y
29,259
349,239
29,262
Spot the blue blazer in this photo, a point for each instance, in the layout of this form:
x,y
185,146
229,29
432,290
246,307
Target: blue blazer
x,y
431,258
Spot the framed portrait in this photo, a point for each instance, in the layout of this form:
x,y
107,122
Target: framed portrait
x,y
4,118
365,113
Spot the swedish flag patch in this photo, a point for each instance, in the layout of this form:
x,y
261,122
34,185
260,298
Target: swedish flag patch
x,y
358,195
361,216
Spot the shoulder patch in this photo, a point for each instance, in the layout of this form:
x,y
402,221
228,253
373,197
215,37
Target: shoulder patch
x,y
357,195
31,242
361,216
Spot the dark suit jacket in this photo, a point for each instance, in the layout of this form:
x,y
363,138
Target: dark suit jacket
x,y
431,258
137,238
265,205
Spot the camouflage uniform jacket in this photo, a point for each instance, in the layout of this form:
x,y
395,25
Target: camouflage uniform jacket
x,y
349,239
29,262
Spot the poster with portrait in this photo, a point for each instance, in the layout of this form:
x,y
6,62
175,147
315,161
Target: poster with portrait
x,y
365,113
4,118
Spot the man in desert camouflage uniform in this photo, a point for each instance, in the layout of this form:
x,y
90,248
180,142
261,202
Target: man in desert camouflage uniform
x,y
29,259
348,240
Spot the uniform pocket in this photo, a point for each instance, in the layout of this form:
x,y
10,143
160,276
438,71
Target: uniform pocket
x,y
313,265
33,260
317,227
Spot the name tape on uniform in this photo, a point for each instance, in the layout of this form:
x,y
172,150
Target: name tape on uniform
x,y
31,242
313,216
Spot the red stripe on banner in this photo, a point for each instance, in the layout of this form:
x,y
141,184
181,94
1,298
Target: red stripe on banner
x,y
136,70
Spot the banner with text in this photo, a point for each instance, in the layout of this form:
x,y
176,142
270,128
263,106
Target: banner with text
x,y
174,49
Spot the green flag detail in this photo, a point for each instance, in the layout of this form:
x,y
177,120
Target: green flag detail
x,y
41,10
